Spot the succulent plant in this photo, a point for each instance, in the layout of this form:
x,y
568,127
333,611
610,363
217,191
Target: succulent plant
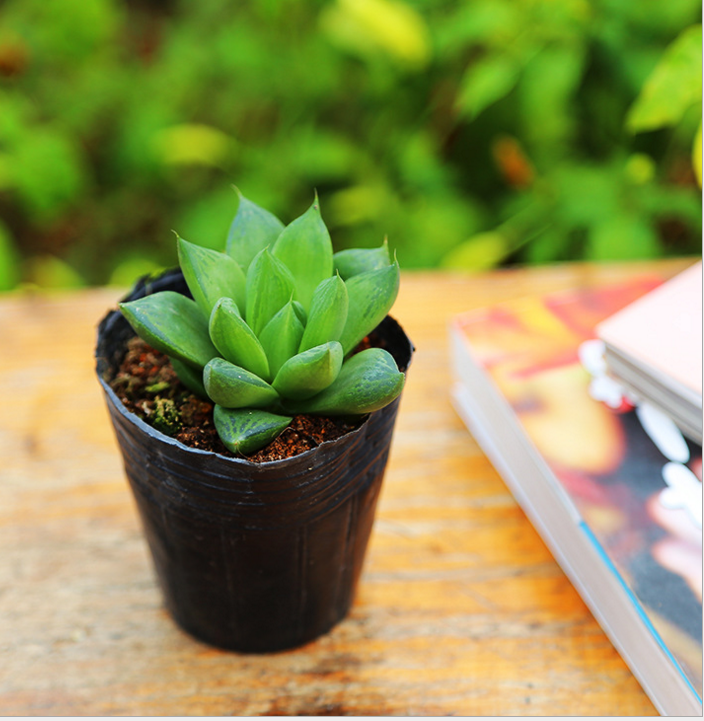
x,y
273,324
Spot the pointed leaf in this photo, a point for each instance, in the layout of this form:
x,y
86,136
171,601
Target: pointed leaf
x,y
269,287
246,431
173,324
371,296
309,372
674,86
236,340
368,381
360,260
281,337
300,312
210,275
328,313
252,230
231,386
191,377
487,80
306,249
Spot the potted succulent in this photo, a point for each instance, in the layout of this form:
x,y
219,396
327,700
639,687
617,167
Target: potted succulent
x,y
251,555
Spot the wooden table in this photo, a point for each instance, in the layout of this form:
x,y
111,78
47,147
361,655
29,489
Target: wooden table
x,y
461,609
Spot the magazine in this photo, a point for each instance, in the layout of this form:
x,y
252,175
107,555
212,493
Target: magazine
x,y
613,487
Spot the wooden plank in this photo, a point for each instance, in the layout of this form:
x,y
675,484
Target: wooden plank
x,y
461,609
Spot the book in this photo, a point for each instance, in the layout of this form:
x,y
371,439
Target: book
x,y
654,348
613,488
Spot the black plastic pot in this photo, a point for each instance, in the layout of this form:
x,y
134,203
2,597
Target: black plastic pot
x,y
252,557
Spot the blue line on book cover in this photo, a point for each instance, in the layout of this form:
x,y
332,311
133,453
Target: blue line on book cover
x,y
636,603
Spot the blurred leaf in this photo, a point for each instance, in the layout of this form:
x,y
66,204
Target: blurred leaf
x,y
481,21
47,172
548,86
671,201
653,16
63,30
483,251
355,205
640,168
435,226
674,86
129,269
622,237
486,81
47,271
9,260
548,247
385,106
697,155
320,155
390,26
192,144
206,219
421,164
14,118
588,194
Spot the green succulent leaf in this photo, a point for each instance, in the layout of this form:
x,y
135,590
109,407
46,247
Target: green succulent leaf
x,y
210,275
235,340
231,386
191,377
281,337
328,313
246,431
252,230
173,324
371,295
354,261
309,372
270,286
305,247
368,381
300,312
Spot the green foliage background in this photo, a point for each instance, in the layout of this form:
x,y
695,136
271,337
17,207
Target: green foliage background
x,y
473,132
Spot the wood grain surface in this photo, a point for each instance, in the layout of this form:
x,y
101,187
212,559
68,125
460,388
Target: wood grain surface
x,y
461,609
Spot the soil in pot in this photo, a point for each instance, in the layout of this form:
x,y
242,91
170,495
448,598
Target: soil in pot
x,y
148,386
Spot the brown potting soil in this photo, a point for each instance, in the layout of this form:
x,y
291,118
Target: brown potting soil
x,y
148,386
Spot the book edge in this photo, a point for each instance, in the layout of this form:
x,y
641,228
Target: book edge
x,y
687,702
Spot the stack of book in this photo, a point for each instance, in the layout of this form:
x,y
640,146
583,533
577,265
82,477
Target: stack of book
x,y
593,456
654,348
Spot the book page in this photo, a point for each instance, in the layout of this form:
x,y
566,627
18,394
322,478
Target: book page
x,y
663,329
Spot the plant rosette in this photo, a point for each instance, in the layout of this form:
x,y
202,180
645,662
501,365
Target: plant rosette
x,y
260,557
